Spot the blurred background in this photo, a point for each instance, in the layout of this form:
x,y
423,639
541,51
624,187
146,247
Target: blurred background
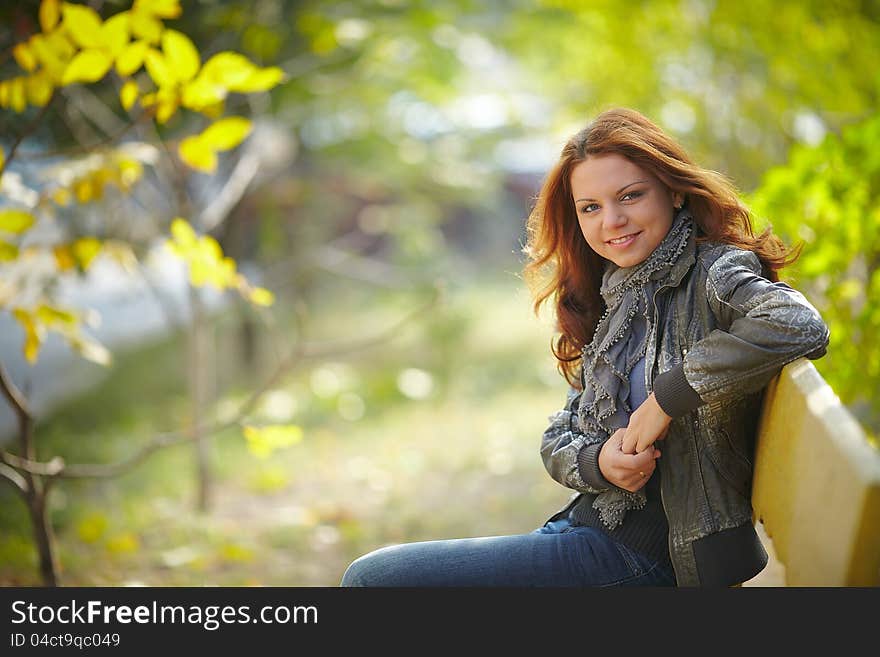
x,y
382,198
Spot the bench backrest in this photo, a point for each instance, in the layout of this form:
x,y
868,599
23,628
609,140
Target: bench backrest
x,y
817,483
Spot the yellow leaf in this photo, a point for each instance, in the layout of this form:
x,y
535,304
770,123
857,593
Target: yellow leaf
x,y
271,478
47,57
60,44
236,553
131,58
33,334
183,233
85,250
130,171
207,266
90,350
63,257
83,190
15,221
262,441
61,195
210,250
39,89
50,315
32,343
161,8
198,155
124,543
201,93
228,68
83,24
25,58
223,275
261,297
8,251
98,179
226,133
128,94
167,106
213,111
50,12
158,69
198,273
181,55
259,80
115,34
92,527
87,66
17,95
145,26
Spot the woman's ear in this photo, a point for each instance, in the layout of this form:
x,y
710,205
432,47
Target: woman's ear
x,y
677,199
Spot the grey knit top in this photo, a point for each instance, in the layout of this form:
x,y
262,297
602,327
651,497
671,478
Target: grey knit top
x,y
643,530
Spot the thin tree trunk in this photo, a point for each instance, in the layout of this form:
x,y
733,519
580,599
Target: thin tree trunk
x,y
198,378
38,505
35,489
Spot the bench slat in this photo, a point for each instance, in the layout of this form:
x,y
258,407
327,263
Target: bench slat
x,y
817,483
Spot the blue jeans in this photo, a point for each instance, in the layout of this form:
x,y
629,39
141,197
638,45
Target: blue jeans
x,y
556,554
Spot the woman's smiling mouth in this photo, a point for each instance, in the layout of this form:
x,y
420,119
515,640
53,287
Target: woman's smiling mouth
x,y
623,241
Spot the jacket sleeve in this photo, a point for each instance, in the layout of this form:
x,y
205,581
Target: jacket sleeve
x,y
762,326
567,457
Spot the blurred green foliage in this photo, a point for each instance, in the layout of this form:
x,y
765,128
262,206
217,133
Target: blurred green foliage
x,y
829,197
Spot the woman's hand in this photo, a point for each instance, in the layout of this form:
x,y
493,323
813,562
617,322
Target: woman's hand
x,y
647,424
627,471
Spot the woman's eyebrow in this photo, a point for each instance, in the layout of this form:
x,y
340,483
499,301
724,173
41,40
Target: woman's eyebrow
x,y
615,193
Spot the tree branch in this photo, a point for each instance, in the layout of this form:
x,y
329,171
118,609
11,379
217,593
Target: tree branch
x,y
48,469
84,149
29,129
245,171
56,469
13,394
10,475
94,109
19,406
105,470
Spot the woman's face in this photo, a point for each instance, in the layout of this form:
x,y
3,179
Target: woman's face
x,y
624,211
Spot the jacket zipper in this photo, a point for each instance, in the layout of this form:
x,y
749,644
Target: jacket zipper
x,y
649,371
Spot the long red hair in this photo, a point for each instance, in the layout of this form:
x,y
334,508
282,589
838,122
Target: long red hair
x,y
562,267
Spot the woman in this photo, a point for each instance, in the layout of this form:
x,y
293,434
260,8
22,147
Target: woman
x,y
672,322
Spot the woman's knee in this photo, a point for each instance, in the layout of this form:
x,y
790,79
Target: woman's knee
x,y
362,571
354,574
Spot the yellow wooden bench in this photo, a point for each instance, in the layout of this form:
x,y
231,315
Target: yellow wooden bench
x,y
816,485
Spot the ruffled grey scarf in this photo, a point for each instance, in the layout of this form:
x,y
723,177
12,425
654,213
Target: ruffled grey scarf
x,y
618,344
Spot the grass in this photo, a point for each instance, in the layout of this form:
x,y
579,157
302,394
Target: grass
x,y
375,467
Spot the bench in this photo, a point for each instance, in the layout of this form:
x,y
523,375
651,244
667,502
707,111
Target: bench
x,y
816,486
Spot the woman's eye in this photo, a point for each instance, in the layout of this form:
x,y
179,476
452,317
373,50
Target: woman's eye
x,y
587,209
631,195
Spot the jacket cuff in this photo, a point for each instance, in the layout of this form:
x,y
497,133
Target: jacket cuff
x,y
588,467
674,394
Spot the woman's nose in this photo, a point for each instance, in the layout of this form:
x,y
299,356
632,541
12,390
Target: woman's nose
x,y
615,219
